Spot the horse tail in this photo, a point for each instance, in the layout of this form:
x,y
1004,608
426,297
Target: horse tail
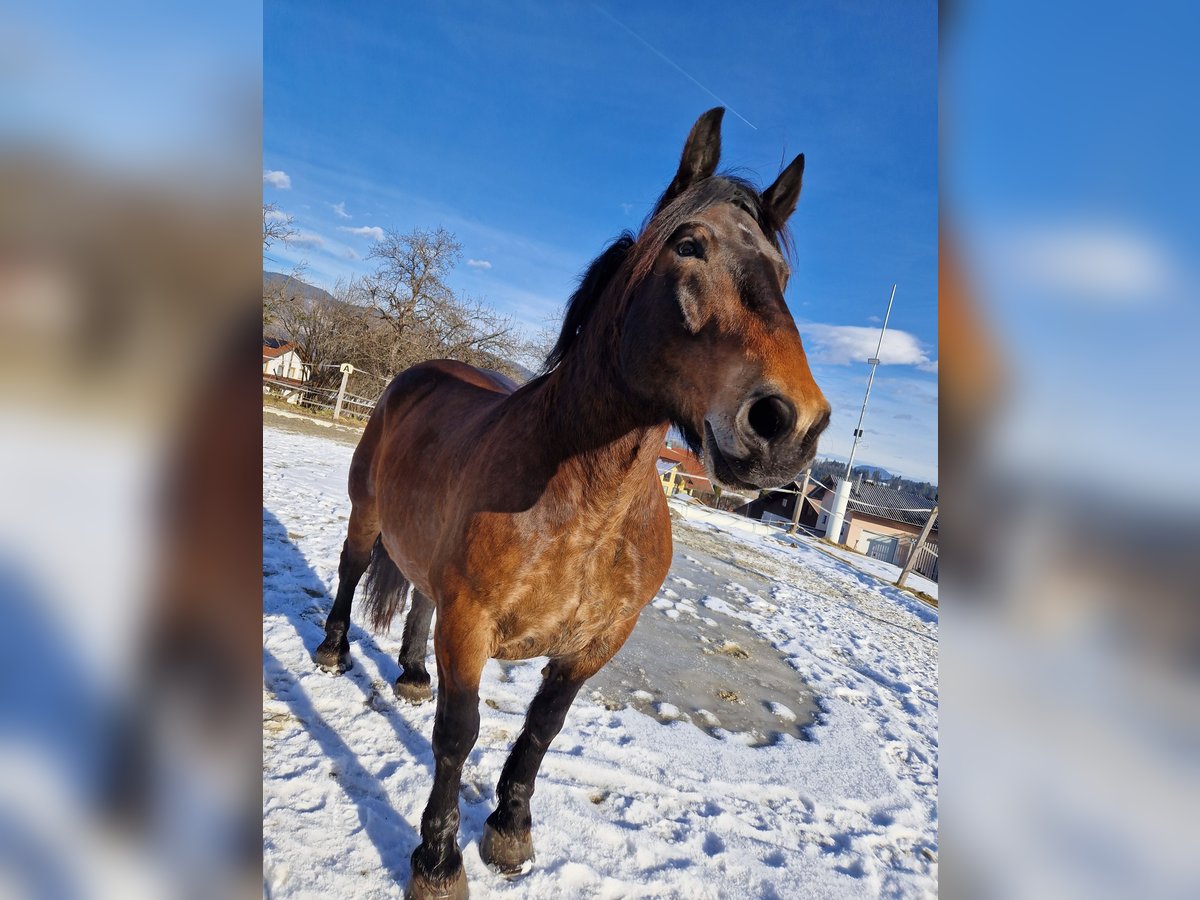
x,y
386,588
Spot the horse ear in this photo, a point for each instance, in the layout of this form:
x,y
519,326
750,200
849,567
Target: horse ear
x,y
781,197
701,154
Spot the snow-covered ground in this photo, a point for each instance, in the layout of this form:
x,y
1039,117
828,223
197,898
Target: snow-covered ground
x,y
626,805
877,567
887,571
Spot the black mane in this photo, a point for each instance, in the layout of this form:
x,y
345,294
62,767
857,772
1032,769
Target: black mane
x,y
583,301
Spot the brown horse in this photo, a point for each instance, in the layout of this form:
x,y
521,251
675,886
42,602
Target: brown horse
x,y
532,519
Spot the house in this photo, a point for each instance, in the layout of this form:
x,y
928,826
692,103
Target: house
x,y
281,359
780,505
284,371
667,474
881,522
682,471
884,523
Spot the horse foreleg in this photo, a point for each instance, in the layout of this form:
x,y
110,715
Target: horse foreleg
x,y
437,871
333,655
507,843
413,683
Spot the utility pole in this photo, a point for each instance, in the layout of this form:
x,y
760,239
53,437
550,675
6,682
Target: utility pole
x,y
841,493
800,502
912,557
346,370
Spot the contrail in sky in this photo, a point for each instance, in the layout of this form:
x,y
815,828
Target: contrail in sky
x,y
669,61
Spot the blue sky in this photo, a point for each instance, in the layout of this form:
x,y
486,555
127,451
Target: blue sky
x,y
537,132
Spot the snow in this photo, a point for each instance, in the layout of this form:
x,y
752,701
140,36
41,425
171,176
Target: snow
x,y
733,522
626,805
877,567
784,712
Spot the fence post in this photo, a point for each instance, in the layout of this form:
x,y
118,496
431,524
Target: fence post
x,y
346,369
912,557
800,502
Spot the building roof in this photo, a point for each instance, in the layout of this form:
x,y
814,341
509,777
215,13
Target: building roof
x,y
873,499
274,347
690,466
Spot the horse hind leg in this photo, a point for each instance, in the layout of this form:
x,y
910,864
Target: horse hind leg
x,y
333,654
413,683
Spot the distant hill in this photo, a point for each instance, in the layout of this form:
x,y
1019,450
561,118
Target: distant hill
x,y
865,468
273,281
830,468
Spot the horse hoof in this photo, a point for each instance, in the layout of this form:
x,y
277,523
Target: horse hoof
x,y
421,888
413,691
508,854
333,660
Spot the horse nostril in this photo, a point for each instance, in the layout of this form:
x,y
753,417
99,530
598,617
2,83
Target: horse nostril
x,y
771,417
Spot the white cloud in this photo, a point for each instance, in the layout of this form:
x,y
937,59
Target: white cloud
x,y
374,232
308,239
339,210
841,345
275,215
350,254
479,263
277,179
1091,262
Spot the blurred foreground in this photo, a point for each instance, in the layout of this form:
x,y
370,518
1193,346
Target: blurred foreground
x,y
130,456
1070,649
130,452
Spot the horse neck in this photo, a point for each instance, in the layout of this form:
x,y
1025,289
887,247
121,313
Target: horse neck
x,y
592,419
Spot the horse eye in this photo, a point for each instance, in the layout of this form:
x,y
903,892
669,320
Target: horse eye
x,y
688,248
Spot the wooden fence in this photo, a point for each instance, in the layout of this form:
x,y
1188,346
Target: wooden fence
x,y
309,397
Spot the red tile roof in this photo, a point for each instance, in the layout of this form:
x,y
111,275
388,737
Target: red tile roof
x,y
273,347
690,464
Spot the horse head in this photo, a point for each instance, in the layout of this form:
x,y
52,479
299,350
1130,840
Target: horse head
x,y
706,337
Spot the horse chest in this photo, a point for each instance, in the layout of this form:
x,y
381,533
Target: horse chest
x,y
567,598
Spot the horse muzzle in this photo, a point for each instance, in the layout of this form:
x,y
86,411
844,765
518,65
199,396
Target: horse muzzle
x,y
765,444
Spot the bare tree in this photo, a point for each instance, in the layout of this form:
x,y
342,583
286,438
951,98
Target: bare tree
x,y
323,328
408,291
277,225
411,275
401,314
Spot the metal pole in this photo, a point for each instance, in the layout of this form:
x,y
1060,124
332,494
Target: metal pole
x,y
841,493
874,361
912,557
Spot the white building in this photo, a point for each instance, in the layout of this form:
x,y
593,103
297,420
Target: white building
x,y
282,360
